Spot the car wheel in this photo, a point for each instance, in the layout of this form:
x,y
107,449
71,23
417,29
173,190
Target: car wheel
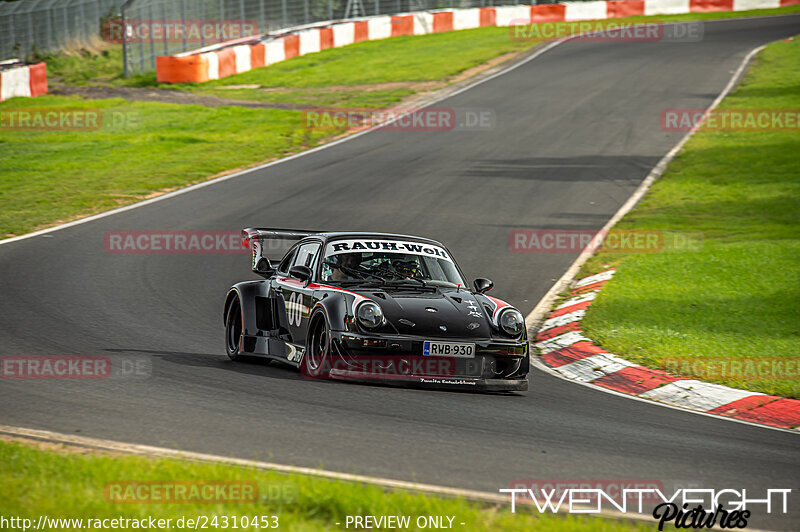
x,y
316,361
233,329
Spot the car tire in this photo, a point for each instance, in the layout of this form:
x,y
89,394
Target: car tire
x,y
233,329
317,358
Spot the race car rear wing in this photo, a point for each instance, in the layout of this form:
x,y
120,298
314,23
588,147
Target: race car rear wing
x,y
268,245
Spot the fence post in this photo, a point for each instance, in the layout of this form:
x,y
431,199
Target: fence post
x,y
96,20
51,14
152,42
183,25
285,17
13,33
30,35
221,21
202,33
83,23
125,71
241,17
262,24
49,29
66,28
166,32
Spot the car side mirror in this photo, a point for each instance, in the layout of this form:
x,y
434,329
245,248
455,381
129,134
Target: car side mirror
x,y
264,268
482,285
301,273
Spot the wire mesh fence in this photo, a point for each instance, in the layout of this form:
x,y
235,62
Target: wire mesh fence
x,y
37,26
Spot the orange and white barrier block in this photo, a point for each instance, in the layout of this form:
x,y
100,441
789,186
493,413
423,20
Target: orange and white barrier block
x,y
23,81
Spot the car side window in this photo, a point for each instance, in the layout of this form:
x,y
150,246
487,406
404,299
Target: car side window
x,y
287,261
307,255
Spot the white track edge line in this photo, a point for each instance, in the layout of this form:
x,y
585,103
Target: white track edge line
x,y
164,452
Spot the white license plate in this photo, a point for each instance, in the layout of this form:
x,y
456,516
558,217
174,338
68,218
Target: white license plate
x,y
448,349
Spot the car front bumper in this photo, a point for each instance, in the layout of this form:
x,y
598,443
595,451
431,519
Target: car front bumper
x,y
497,365
478,385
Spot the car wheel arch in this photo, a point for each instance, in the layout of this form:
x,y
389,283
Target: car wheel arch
x,y
232,294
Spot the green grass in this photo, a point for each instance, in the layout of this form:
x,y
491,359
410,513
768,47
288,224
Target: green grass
x,y
102,65
35,483
737,297
359,99
426,58
56,175
401,59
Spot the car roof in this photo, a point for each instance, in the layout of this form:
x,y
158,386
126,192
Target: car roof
x,y
355,234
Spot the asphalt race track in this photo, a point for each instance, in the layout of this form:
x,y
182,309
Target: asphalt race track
x,y
576,130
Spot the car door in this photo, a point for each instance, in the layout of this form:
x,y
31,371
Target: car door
x,y
296,296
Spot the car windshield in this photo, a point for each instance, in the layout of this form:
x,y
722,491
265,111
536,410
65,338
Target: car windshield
x,y
388,262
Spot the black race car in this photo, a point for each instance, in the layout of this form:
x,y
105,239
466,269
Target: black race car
x,y
373,307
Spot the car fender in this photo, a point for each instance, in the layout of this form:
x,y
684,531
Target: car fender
x,y
333,306
248,291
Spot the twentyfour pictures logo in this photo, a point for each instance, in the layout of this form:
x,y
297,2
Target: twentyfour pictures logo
x,y
555,489
681,504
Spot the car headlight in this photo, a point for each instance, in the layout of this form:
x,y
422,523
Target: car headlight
x,y
369,314
512,322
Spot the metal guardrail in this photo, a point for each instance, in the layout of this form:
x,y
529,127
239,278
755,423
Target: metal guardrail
x,y
36,26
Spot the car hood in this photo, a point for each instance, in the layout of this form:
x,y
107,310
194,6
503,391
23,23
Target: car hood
x,y
448,312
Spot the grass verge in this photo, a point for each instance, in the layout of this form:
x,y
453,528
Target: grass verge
x,y
734,298
66,485
139,148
